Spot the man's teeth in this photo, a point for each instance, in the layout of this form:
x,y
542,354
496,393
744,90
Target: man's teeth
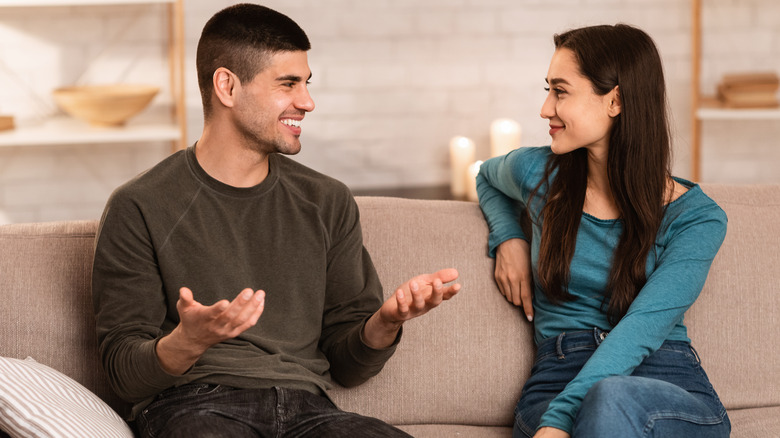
x,y
291,122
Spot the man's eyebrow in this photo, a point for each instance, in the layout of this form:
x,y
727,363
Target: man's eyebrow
x,y
292,78
556,81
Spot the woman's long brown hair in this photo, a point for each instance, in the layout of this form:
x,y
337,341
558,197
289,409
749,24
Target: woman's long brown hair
x,y
638,164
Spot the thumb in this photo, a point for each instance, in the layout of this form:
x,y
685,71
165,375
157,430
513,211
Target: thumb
x,y
447,275
185,298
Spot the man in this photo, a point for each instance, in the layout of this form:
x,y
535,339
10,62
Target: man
x,y
233,215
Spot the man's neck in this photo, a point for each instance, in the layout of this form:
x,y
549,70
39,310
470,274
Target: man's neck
x,y
227,159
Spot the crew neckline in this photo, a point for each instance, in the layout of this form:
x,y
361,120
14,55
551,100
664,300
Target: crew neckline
x,y
691,186
225,189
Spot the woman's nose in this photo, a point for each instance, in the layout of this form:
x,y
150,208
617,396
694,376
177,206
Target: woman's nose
x,y
548,107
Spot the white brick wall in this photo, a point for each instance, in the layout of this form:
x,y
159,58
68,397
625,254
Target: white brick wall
x,y
393,81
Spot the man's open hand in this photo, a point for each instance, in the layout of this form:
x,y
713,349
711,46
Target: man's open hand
x,y
201,327
414,298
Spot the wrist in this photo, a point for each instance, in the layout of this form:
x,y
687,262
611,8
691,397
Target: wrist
x,y
175,354
380,333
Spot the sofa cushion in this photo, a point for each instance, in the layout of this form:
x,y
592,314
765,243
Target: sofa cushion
x,y
45,285
455,430
736,316
755,422
463,363
38,401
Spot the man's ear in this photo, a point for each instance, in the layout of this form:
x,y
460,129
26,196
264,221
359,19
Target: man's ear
x,y
225,84
615,104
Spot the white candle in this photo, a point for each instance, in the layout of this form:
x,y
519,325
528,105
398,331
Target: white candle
x,y
471,181
504,136
462,151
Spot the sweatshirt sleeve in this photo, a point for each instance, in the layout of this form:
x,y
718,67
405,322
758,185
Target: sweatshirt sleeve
x,y
504,185
125,273
353,294
691,243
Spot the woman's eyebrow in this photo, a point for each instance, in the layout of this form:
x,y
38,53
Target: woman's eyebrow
x,y
557,81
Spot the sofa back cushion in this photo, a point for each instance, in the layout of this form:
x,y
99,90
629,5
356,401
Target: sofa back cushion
x,y
46,310
736,319
463,363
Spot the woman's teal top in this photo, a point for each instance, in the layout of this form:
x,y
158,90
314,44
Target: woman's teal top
x,y
692,231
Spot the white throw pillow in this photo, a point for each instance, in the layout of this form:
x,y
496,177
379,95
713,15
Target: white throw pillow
x,y
37,401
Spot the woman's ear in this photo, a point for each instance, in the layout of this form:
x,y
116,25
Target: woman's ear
x,y
225,84
615,105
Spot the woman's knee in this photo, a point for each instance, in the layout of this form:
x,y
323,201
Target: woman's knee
x,y
614,404
612,391
639,406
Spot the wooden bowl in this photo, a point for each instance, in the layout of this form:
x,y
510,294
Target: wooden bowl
x,y
105,105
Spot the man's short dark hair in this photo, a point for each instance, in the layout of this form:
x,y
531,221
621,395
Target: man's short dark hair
x,y
241,38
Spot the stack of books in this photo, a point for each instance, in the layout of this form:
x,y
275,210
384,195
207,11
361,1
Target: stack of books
x,y
6,123
749,90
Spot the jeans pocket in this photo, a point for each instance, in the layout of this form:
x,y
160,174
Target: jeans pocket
x,y
168,402
679,363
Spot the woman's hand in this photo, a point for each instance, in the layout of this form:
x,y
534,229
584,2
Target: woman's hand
x,y
551,432
513,274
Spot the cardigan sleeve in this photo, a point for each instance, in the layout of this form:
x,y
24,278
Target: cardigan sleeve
x,y
504,185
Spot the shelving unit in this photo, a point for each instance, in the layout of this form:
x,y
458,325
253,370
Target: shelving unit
x,y
65,130
702,109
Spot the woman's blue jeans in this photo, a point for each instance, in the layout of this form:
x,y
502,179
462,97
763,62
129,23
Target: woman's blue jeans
x,y
668,394
202,410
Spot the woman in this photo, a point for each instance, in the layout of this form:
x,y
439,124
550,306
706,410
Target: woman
x,y
619,250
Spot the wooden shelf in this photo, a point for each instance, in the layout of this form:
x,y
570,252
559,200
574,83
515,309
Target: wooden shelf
x,y
711,109
705,108
68,131
709,113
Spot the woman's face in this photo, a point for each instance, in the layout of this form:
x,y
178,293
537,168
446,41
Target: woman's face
x,y
578,116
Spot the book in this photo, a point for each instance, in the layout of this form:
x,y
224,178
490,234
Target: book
x,y
6,123
749,90
751,80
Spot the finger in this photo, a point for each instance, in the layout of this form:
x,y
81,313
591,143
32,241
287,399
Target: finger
x,y
260,307
231,311
400,299
444,275
418,301
437,294
505,285
516,296
185,297
447,275
527,298
186,301
251,311
450,291
502,285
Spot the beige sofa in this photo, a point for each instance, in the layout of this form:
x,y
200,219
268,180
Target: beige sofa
x,y
459,370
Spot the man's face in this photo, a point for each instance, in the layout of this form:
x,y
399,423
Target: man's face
x,y
270,108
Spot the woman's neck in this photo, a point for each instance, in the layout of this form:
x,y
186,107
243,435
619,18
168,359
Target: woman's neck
x,y
598,195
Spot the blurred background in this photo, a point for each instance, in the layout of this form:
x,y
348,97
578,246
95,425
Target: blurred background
x,y
393,81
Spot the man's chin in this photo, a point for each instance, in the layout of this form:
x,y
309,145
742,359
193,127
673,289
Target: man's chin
x,y
289,150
